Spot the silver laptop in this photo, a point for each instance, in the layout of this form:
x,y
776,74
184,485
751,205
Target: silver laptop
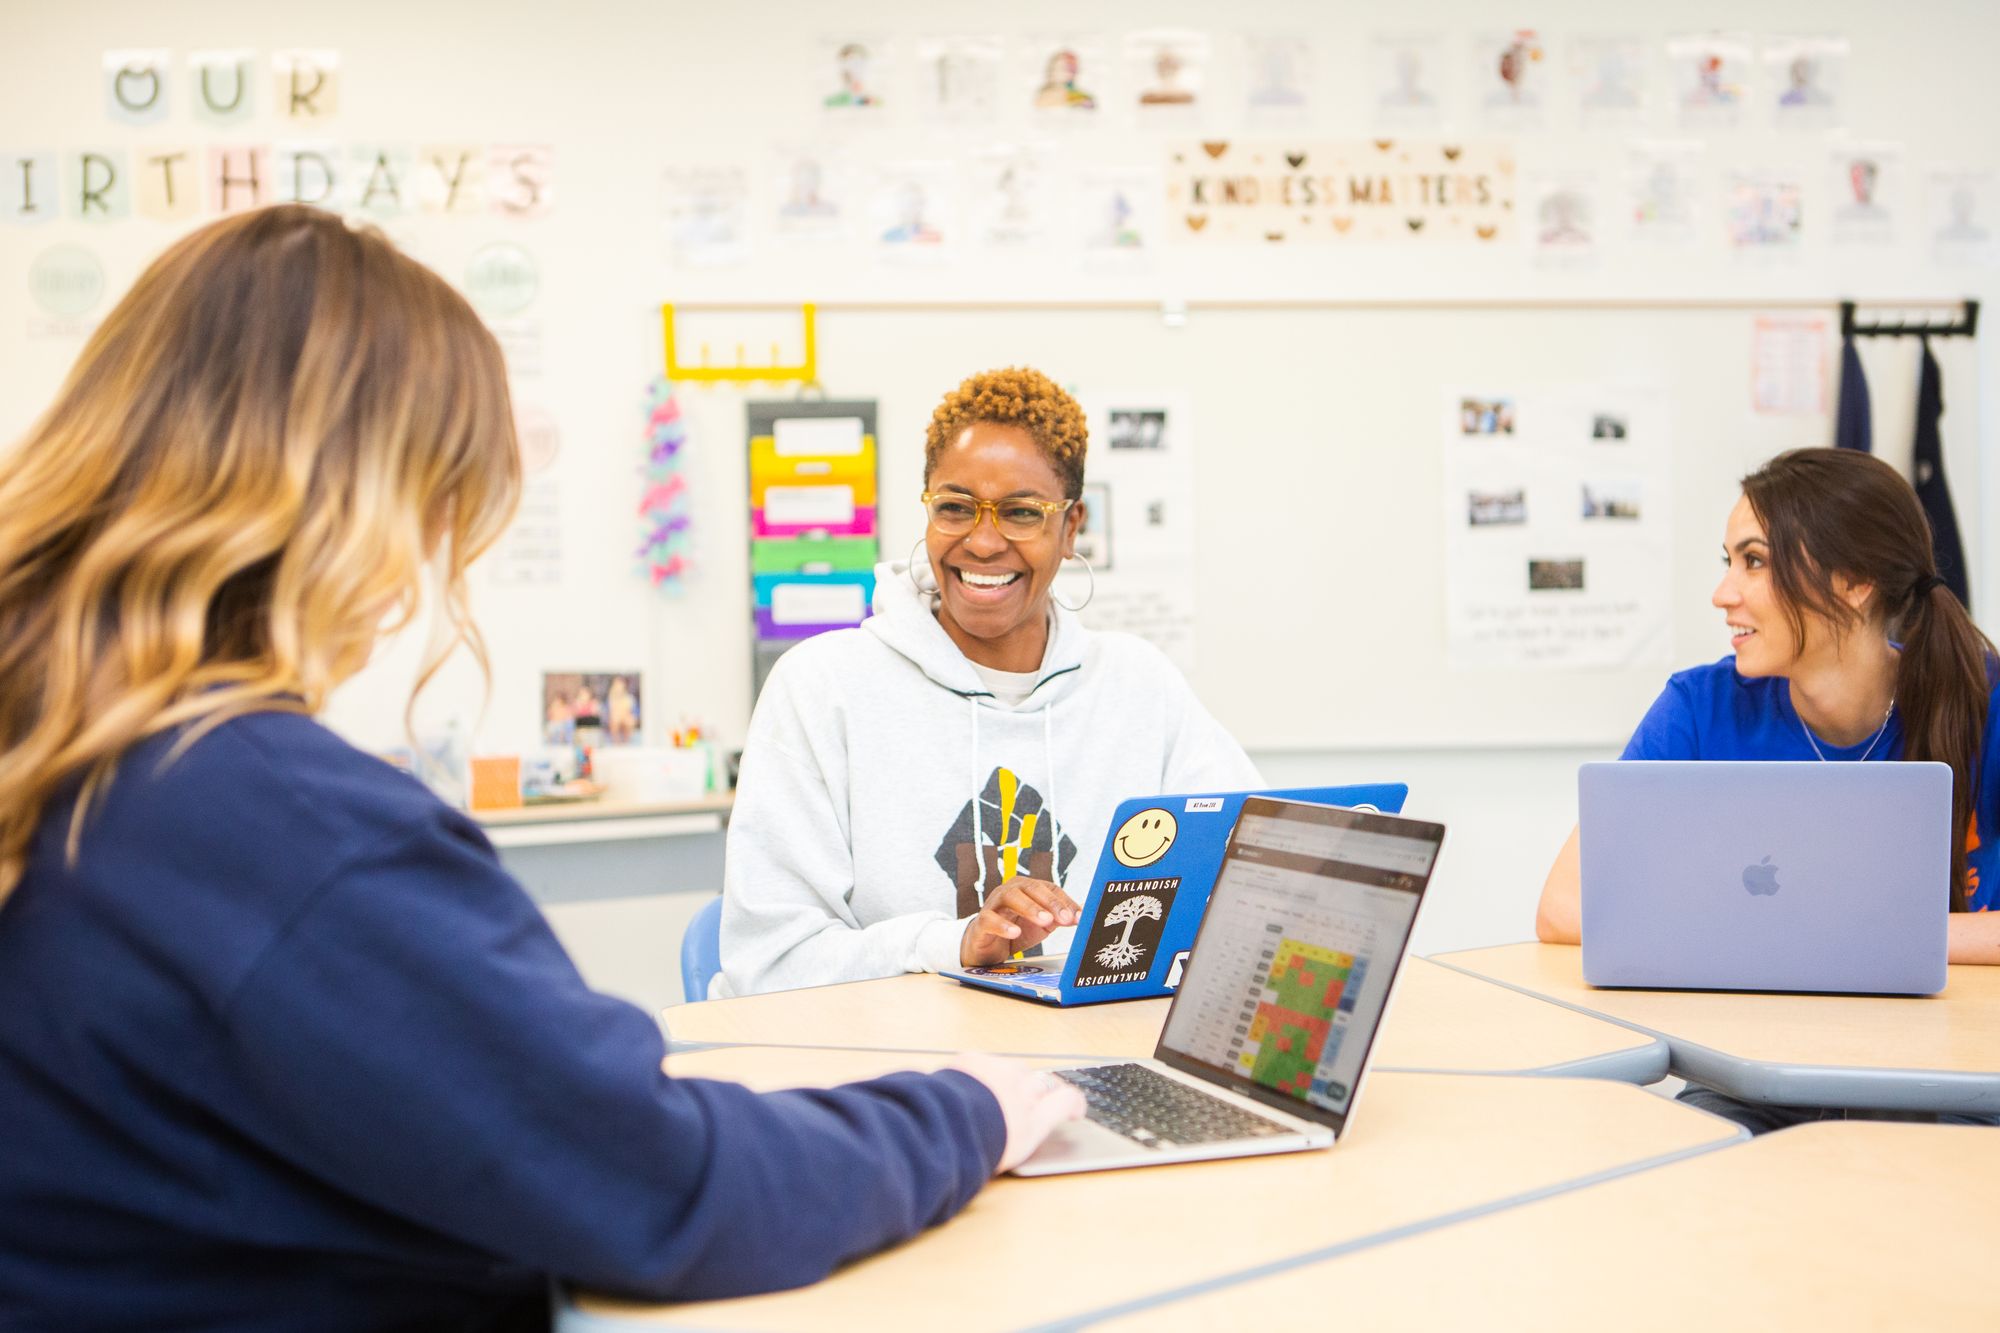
x,y
1766,876
1265,1046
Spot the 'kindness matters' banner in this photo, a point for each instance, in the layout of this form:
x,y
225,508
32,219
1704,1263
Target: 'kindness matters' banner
x,y
1272,191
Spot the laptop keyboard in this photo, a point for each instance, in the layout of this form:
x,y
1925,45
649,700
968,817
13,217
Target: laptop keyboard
x,y
1151,1109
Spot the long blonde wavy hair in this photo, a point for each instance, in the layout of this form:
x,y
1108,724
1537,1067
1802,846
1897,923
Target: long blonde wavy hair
x,y
238,490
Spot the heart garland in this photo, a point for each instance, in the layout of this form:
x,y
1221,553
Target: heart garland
x,y
664,511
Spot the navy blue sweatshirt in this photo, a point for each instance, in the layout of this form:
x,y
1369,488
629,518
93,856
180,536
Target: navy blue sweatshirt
x,y
287,1049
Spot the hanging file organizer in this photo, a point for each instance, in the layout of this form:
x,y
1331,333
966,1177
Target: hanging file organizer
x,y
813,535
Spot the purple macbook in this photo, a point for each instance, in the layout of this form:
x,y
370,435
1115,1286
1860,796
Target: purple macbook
x,y
1766,876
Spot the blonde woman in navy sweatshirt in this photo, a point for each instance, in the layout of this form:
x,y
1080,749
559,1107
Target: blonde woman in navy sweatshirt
x,y
281,1045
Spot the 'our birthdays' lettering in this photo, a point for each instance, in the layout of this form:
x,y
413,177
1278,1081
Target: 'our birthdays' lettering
x,y
187,180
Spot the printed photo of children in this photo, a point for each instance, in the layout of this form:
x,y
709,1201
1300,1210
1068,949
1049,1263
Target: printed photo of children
x,y
590,708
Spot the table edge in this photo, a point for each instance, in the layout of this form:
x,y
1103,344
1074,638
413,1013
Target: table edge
x,y
1777,1083
571,1319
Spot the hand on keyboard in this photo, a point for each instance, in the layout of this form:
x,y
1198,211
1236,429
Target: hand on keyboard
x,y
1151,1109
1032,1101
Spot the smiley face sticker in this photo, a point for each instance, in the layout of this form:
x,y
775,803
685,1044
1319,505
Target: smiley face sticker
x,y
1144,838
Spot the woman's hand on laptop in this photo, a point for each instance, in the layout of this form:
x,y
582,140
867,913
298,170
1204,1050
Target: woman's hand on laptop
x,y
1018,915
1032,1102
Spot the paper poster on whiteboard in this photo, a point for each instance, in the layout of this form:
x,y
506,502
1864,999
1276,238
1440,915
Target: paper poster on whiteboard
x,y
530,553
1558,546
1138,530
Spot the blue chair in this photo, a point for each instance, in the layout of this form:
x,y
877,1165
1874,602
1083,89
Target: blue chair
x,y
701,950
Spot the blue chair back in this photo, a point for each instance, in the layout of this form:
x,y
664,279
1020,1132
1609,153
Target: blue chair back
x,y
701,950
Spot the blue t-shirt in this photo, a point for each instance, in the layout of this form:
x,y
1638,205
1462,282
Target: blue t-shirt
x,y
285,1048
1710,712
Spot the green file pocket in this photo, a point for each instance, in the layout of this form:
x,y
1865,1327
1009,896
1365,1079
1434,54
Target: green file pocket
x,y
812,555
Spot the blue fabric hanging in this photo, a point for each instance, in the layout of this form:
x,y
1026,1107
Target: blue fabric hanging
x,y
1852,426
1927,473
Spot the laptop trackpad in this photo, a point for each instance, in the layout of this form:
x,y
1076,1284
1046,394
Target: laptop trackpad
x,y
1073,1143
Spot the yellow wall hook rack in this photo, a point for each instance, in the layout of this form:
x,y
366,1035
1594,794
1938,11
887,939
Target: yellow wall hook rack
x,y
806,372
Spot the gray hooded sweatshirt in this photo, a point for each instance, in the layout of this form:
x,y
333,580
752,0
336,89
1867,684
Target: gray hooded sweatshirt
x,y
885,790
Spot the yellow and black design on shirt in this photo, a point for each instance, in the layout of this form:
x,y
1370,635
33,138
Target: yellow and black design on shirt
x,y
1017,836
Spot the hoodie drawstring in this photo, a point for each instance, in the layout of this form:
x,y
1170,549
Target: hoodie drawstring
x,y
1055,821
978,798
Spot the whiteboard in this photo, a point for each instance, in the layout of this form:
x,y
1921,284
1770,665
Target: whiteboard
x,y
1318,536
1320,541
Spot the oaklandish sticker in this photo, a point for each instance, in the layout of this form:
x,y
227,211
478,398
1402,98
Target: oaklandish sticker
x,y
1124,941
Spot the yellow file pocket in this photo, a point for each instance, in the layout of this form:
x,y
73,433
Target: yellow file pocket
x,y
768,466
814,495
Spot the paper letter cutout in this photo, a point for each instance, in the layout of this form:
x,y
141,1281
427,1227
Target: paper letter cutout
x,y
135,86
102,185
28,187
308,84
169,186
380,176
222,86
518,179
238,178
452,177
306,173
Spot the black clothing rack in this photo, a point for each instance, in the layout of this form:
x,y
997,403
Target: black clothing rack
x,y
1965,327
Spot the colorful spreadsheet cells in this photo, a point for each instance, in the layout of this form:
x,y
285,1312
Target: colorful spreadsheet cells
x,y
1295,1031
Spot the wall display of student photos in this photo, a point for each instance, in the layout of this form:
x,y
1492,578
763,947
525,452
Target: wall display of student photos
x,y
955,194
951,149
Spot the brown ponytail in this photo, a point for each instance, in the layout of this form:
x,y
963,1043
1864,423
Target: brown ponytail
x,y
1829,512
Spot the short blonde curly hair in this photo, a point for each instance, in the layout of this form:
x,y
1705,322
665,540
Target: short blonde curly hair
x,y
1016,396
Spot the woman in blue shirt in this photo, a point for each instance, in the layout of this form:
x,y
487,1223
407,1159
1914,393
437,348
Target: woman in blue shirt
x,y
1847,648
281,1044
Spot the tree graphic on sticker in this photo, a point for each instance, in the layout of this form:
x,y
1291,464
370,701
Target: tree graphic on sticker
x,y
1121,952
1127,932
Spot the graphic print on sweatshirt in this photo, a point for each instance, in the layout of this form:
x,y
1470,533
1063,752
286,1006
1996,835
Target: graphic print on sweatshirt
x,y
1017,836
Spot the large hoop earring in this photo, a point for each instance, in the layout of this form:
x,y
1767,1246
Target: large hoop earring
x,y
1092,592
922,591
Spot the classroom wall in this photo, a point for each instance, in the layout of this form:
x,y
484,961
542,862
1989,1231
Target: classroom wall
x,y
624,91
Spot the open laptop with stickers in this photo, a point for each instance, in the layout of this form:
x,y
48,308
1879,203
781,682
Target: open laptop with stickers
x,y
1145,904
1265,1047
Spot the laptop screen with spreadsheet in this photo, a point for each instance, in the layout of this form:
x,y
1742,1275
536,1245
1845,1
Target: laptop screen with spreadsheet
x,y
1290,974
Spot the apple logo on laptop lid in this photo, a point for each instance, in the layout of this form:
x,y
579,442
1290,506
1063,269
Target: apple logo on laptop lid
x,y
1761,879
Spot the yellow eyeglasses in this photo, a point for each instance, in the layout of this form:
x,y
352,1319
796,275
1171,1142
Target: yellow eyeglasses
x,y
1018,518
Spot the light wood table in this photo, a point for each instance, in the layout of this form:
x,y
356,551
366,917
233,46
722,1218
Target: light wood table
x,y
1932,1053
1422,1149
1831,1226
918,1012
1441,1021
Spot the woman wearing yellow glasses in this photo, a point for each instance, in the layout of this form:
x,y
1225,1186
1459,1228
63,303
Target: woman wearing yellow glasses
x,y
930,790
